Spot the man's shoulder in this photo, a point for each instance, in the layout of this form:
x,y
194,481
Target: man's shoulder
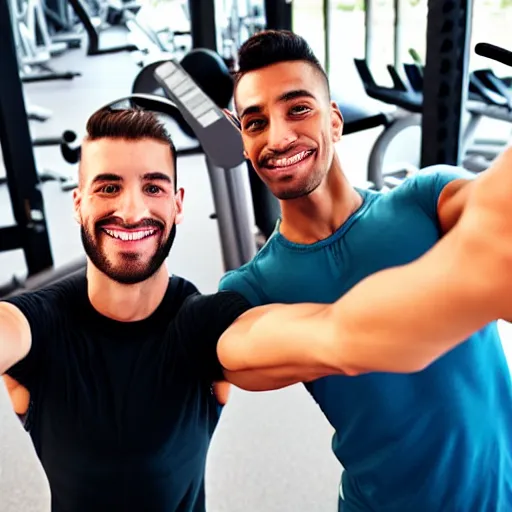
x,y
61,294
248,280
432,179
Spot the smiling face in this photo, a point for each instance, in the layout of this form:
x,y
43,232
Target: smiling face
x,y
127,206
289,126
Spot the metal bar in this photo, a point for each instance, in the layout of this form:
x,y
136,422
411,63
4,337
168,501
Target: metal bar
x,y
398,33
327,34
368,39
445,81
20,167
202,23
10,238
92,34
278,14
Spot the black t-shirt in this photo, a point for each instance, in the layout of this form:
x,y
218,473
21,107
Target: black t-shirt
x,y
122,413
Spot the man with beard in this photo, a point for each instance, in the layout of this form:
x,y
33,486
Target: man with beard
x,y
119,362
412,442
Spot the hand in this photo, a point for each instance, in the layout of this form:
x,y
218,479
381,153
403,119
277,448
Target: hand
x,y
20,397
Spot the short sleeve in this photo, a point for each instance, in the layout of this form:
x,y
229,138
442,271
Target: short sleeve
x,y
37,309
429,182
201,322
241,281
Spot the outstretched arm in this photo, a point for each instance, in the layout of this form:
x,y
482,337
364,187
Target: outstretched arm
x,y
398,320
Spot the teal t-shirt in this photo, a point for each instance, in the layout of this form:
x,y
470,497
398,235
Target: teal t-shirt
x,y
439,440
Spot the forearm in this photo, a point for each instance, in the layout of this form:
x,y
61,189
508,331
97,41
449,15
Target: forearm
x,y
404,318
278,345
270,378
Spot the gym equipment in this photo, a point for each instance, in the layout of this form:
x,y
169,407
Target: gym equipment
x,y
408,97
93,47
62,27
223,25
29,28
156,41
29,232
236,22
494,52
36,113
67,183
407,115
488,96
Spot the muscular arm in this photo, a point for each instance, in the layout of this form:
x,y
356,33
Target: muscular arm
x,y
398,320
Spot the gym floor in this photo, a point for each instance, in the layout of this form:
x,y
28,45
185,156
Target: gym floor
x,y
271,452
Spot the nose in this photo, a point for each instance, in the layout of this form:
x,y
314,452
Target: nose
x,y
132,207
280,135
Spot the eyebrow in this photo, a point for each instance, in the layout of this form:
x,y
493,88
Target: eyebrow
x,y
287,96
149,176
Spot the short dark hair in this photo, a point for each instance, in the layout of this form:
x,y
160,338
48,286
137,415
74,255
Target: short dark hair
x,y
131,124
274,46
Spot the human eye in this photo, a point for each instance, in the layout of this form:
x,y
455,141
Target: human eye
x,y
153,189
253,124
109,189
300,109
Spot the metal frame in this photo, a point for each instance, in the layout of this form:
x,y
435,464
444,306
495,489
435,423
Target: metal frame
x,y
326,5
30,232
279,14
232,202
368,34
398,33
93,47
202,24
446,80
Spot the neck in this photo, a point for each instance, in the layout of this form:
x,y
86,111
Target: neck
x,y
318,215
123,302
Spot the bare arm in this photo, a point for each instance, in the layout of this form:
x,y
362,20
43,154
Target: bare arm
x,y
19,395
15,336
398,320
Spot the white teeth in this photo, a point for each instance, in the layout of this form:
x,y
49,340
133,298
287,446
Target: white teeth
x,y
284,162
129,236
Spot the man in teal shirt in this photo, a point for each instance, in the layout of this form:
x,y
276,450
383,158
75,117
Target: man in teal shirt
x,y
440,439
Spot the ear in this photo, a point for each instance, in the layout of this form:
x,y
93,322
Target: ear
x,y
77,201
178,197
246,155
336,122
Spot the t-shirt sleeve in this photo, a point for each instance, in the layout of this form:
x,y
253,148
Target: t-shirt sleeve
x,y
37,309
200,324
242,281
429,182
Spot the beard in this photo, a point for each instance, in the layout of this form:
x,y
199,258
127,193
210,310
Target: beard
x,y
131,271
303,188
